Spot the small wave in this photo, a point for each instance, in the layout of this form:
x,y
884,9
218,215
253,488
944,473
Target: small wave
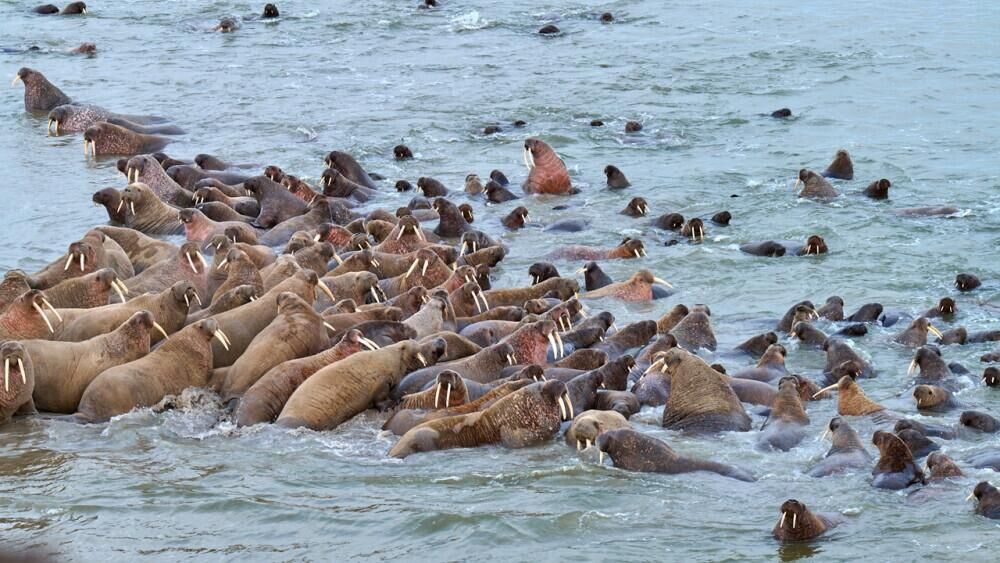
x,y
469,22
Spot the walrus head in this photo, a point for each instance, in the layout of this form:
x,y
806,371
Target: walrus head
x,y
270,11
851,399
694,229
615,178
516,218
879,189
946,306
930,396
637,207
797,522
942,467
629,248
417,356
589,425
110,199
541,271
814,245
466,210
402,152
894,455
983,490
842,435
25,313
967,282
670,221
991,377
226,25
841,167
980,421
18,372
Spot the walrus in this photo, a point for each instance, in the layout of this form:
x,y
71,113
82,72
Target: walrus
x,y
496,193
346,165
770,366
846,452
803,523
767,248
694,331
814,244
25,318
841,167
934,398
516,218
942,467
82,257
808,334
637,207
104,138
188,264
431,318
192,177
788,319
517,296
526,417
336,185
967,282
879,189
991,377
588,425
945,309
84,292
63,370
243,206
76,118
918,444
851,399
700,399
144,169
198,227
639,287
669,221
927,211
316,214
263,401
14,284
616,179
182,361
785,426
169,308
431,187
449,390
895,468
18,381
110,199
240,271
987,500
236,297
815,186
981,421
147,213
755,346
916,334
546,172
340,391
270,11
484,366
296,332
451,221
277,204
635,451
40,95
838,351
627,249
671,318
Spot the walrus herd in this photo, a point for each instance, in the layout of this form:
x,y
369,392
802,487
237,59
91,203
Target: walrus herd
x,y
303,304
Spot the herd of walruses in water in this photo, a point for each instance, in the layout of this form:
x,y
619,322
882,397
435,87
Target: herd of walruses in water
x,y
304,305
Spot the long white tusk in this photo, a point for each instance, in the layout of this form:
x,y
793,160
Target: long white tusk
x,y
83,262
410,271
322,286
131,205
662,282
222,265
510,358
42,313
201,258
794,517
187,301
653,366
69,260
340,260
569,403
191,262
157,326
486,306
422,359
423,272
51,308
824,390
371,343
824,434
374,295
562,408
479,307
562,348
118,290
934,331
972,494
636,252
221,338
400,234
198,299
329,326
6,374
781,524
555,347
447,397
121,202
437,394
579,445
600,457
913,367
461,251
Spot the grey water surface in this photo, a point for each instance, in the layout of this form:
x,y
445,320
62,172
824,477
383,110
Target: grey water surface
x,y
909,88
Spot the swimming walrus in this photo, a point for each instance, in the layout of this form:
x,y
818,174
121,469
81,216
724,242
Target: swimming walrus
x,y
785,425
526,417
798,523
184,360
815,186
588,425
338,392
851,399
104,138
639,287
846,452
40,95
895,468
635,451
63,370
546,172
841,167
700,399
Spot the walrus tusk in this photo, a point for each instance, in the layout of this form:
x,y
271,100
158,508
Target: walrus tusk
x,y
191,262
51,308
562,408
6,374
781,524
579,445
662,282
437,394
86,148
422,359
461,251
912,368
824,434
425,299
934,331
412,267
652,366
197,299
972,494
423,271
222,265
316,238
322,287
794,517
419,232
587,442
447,397
643,251
327,325
131,205
555,347
614,326
825,389
42,313
157,326
221,338
529,158
798,181
201,257
510,359
69,260
534,279
118,290
374,295
120,204
562,348
370,343
637,255
569,404
83,262
187,301
600,457
340,260
16,78
486,306
48,128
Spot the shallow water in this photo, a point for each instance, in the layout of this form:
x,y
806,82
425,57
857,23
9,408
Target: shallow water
x,y
908,88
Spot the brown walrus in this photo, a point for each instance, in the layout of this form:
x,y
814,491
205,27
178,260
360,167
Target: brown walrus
x,y
841,167
785,426
483,367
63,370
847,450
236,297
916,334
942,467
815,186
517,296
635,451
110,199
526,417
798,523
296,332
146,213
169,309
40,95
18,381
628,249
14,284
695,331
82,257
895,468
588,425
449,390
199,228
26,318
104,138
987,500
669,320
639,287
264,400
239,270
187,265
546,172
144,169
84,292
700,399
403,421
338,392
934,398
184,360
851,399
